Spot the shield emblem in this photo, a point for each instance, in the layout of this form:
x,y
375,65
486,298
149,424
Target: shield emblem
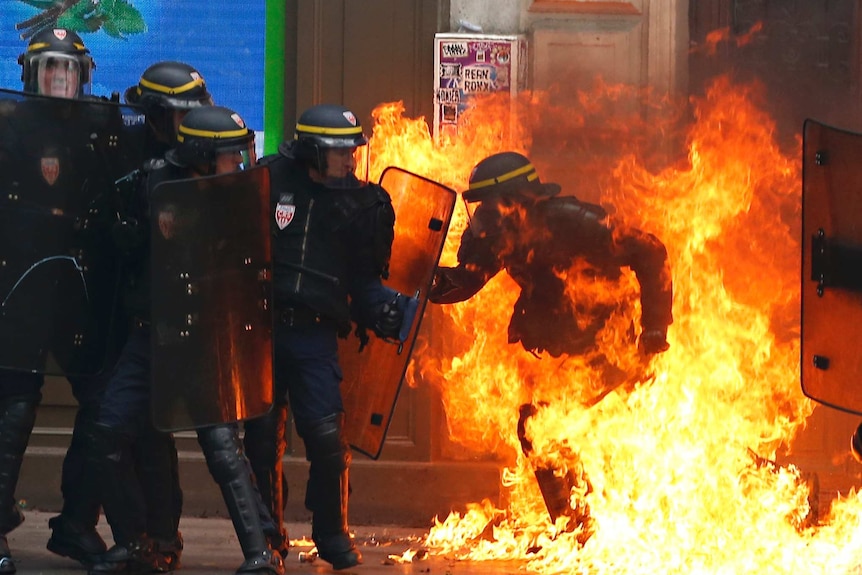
x,y
59,280
50,169
211,317
831,266
373,378
284,212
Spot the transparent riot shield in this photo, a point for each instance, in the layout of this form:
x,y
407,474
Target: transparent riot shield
x,y
211,291
373,378
832,266
59,160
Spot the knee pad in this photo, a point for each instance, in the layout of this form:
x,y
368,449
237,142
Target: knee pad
x,y
325,445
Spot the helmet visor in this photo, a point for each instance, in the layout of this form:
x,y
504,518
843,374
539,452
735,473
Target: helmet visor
x,y
489,213
235,159
58,75
343,167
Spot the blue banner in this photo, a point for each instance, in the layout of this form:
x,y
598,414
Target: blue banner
x,y
223,39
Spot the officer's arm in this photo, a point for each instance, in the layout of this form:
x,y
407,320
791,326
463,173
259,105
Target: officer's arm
x,y
646,255
477,264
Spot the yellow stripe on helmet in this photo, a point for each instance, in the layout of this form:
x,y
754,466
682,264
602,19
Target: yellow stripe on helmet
x,y
528,169
210,133
328,131
41,45
167,89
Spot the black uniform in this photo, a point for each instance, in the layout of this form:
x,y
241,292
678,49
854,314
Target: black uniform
x,y
125,416
331,247
552,235
57,179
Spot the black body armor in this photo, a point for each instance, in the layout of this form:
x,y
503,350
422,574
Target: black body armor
x,y
325,239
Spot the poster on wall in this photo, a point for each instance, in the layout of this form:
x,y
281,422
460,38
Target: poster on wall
x,y
223,39
466,65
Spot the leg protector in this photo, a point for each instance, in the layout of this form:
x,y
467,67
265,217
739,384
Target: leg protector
x,y
17,417
231,470
265,444
122,496
328,490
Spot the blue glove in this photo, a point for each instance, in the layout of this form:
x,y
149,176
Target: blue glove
x,y
395,317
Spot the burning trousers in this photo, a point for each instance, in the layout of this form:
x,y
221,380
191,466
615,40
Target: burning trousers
x,y
558,485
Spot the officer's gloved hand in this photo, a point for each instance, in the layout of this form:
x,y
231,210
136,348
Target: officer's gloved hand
x,y
390,316
653,341
442,287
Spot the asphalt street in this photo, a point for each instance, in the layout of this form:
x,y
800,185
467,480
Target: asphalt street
x,y
211,548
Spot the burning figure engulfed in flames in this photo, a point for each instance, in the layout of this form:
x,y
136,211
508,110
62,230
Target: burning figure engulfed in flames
x,y
679,469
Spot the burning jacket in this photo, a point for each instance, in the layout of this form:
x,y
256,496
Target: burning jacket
x,y
557,250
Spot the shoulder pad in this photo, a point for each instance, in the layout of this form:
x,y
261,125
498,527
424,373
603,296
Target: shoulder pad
x,y
154,164
572,204
381,193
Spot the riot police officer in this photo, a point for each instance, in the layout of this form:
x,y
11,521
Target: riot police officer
x,y
210,139
55,63
166,91
332,237
521,225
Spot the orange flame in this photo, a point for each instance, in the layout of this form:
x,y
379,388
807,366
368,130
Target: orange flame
x,y
679,465
714,38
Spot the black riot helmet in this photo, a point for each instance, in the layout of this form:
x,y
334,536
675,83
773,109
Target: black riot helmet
x,y
507,174
209,135
56,63
172,85
323,130
503,179
166,87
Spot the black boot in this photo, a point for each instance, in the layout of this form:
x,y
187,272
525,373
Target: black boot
x,y
74,532
110,455
155,456
73,540
168,553
7,565
80,487
231,470
265,444
328,491
135,557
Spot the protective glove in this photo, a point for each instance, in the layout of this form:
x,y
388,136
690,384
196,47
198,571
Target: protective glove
x,y
439,286
390,316
653,341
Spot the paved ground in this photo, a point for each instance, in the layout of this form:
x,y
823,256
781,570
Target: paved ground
x,y
211,548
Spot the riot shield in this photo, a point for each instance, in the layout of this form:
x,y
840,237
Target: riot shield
x,y
832,266
211,326
373,378
59,159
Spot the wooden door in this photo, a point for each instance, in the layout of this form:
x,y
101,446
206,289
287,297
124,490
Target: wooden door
x,y
362,53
